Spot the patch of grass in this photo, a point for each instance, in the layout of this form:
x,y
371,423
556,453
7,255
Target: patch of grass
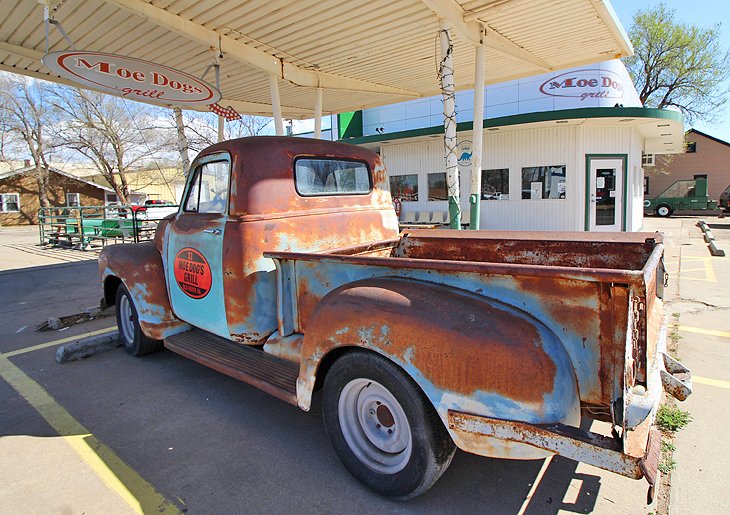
x,y
671,418
668,446
667,465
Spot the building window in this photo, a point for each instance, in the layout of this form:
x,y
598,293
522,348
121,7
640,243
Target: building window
x,y
543,182
495,184
9,203
72,200
691,147
647,160
646,185
404,187
314,177
437,189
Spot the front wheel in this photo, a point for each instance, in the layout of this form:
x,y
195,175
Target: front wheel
x,y
663,210
383,428
136,343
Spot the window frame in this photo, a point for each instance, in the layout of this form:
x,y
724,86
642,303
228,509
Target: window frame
x,y
78,199
418,193
4,202
218,157
428,187
522,183
325,158
481,186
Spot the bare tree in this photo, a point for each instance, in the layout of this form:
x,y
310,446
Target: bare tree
x,y
25,116
117,135
202,128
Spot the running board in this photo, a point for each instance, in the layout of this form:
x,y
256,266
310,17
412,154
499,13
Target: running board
x,y
251,365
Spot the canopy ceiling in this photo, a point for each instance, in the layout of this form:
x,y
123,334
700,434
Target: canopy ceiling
x,y
363,53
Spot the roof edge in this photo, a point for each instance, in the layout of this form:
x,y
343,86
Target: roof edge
x,y
541,116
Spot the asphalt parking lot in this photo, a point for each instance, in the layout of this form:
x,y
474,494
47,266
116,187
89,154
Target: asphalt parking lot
x,y
116,434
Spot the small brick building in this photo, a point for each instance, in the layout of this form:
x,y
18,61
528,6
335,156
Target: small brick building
x,y
704,154
19,199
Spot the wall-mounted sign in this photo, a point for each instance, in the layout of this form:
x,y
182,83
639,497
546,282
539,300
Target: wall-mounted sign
x,y
131,78
463,153
584,84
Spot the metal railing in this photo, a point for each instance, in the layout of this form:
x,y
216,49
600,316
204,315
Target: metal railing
x,y
91,227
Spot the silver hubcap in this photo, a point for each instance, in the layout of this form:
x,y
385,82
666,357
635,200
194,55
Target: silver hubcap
x,y
663,211
375,426
126,323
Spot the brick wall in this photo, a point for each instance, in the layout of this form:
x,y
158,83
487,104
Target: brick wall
x,y
711,157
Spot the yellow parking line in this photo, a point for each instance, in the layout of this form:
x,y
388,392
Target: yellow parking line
x,y
117,475
711,382
699,330
58,342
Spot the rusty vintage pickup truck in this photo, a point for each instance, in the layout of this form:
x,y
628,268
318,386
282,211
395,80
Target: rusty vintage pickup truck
x,y
284,268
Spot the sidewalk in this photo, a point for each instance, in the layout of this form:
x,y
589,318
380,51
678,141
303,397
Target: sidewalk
x,y
698,291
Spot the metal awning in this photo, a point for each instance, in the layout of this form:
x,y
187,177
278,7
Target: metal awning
x,y
361,53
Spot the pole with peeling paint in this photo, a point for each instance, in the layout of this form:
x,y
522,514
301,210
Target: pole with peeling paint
x,y
477,139
182,140
446,75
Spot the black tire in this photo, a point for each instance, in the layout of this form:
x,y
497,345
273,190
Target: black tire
x,y
136,343
663,210
431,447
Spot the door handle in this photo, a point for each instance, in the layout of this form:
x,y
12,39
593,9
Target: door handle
x,y
214,232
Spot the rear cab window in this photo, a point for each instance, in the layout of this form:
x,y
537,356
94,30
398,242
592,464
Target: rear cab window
x,y
315,177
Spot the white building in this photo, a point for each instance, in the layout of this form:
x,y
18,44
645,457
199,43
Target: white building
x,y
562,151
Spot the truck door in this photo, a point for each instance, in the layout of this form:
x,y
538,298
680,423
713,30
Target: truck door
x,y
195,246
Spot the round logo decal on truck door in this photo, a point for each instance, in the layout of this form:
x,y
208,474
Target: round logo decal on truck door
x,y
192,273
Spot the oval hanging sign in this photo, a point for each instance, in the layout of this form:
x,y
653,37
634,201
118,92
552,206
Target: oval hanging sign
x,y
131,78
192,273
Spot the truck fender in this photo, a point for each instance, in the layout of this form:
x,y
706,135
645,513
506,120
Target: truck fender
x,y
466,352
139,267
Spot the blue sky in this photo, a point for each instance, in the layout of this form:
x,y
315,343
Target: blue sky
x,y
702,13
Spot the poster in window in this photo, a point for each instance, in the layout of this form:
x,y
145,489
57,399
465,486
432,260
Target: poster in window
x,y
536,190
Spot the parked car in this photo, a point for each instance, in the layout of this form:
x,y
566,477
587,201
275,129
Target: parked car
x,y
155,209
724,201
687,195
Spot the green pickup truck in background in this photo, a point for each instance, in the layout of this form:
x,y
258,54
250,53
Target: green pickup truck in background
x,y
683,196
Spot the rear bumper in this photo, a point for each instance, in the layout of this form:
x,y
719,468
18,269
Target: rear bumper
x,y
577,444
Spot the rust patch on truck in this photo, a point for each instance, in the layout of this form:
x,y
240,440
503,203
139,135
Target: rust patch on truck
x,y
475,346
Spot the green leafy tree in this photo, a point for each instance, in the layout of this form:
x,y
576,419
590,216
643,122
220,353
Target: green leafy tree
x,y
678,65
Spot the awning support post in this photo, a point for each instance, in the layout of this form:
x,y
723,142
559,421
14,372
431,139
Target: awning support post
x,y
446,75
318,113
276,105
477,138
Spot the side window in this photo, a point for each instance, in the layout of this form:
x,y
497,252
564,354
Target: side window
x,y
314,177
209,188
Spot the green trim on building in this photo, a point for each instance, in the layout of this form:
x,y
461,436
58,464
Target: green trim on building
x,y
349,125
518,119
625,159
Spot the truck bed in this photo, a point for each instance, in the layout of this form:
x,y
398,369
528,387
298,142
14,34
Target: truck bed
x,y
582,286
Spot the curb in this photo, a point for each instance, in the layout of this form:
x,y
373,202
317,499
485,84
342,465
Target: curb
x,y
87,347
710,239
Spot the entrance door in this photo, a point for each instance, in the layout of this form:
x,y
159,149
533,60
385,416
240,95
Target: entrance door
x,y
195,247
605,198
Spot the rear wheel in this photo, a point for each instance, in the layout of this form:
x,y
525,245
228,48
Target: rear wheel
x,y
663,210
136,343
383,428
